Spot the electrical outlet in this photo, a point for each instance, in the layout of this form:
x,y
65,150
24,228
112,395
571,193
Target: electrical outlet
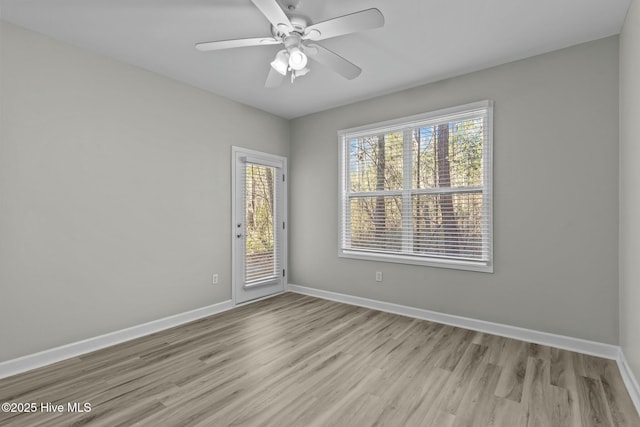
x,y
215,279
378,276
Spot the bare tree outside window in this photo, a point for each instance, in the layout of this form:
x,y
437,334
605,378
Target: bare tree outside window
x,y
259,214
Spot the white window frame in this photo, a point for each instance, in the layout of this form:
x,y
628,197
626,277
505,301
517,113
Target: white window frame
x,y
403,124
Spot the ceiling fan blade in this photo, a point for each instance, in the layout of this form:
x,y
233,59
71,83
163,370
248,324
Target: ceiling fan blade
x,y
274,14
274,78
358,21
334,61
228,44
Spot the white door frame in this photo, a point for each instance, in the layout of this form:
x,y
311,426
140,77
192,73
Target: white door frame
x,y
239,156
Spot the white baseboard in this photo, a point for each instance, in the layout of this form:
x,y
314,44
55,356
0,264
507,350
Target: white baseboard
x,y
593,348
629,380
47,357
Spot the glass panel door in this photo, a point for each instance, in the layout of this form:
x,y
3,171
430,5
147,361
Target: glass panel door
x,y
259,225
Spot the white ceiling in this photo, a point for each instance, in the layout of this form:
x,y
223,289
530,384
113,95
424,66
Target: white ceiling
x,y
422,41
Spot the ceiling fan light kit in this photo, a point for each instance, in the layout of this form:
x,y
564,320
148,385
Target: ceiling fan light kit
x,y
297,59
281,62
300,73
292,31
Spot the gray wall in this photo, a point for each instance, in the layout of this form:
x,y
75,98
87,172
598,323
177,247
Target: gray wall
x,y
629,185
556,198
114,193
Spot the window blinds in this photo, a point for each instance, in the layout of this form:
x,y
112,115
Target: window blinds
x,y
263,222
418,190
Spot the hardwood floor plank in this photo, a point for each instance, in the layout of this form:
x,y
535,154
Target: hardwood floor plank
x,y
443,419
358,407
623,412
294,360
594,410
560,406
561,368
478,407
563,374
538,412
514,367
539,351
506,413
419,397
463,376
495,346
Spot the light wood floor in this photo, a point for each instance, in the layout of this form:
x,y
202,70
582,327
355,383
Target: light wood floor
x,y
294,360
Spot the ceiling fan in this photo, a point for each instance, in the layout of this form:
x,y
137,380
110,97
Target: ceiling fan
x,y
297,35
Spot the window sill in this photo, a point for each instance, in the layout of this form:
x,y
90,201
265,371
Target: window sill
x,y
479,266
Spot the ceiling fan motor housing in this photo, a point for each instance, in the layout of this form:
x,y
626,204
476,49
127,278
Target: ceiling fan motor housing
x,y
298,23
292,40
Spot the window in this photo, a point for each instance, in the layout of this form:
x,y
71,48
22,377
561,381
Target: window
x,y
418,190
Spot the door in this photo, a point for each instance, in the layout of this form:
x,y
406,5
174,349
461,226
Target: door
x,y
259,224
